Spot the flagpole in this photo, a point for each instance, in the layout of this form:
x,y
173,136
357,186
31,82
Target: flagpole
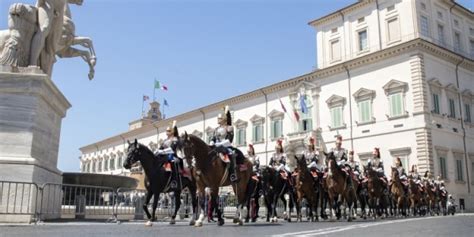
x,y
143,103
163,108
154,89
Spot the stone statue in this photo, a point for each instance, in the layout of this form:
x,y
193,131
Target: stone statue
x,y
15,42
37,34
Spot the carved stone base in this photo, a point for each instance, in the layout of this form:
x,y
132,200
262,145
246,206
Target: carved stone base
x,y
31,111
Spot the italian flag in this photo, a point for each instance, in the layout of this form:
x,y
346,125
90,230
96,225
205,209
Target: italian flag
x,y
158,85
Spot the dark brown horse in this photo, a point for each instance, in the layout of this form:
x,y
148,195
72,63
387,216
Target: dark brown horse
x,y
415,196
339,186
210,171
307,187
158,180
400,198
431,197
378,201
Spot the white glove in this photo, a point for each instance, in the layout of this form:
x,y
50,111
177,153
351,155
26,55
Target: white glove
x,y
225,143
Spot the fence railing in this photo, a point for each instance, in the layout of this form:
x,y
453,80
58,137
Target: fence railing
x,y
29,202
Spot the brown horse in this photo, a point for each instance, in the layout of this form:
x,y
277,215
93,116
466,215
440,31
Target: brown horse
x,y
377,199
210,171
431,197
398,193
307,187
337,186
415,196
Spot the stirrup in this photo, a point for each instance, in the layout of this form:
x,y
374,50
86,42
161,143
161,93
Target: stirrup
x,y
233,178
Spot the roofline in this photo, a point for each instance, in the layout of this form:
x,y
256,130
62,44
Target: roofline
x,y
360,2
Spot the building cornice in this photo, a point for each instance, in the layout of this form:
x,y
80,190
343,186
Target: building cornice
x,y
321,74
357,5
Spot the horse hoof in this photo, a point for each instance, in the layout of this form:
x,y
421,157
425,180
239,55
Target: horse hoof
x,y
192,222
198,224
349,220
236,220
220,222
241,222
149,224
172,222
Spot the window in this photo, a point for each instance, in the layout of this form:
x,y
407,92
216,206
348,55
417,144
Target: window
x,y
362,40
456,23
436,109
471,31
336,117
106,165
424,26
423,6
440,15
396,104
120,161
365,111
393,30
306,125
467,110
277,128
93,167
457,42
100,166
459,171
257,132
112,163
441,38
442,168
335,50
452,108
240,137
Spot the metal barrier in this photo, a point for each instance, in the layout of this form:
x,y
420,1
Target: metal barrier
x,y
18,201
30,202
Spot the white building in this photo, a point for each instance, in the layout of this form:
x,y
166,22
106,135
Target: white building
x,y
394,74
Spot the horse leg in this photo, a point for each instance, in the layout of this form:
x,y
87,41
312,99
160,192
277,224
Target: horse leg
x,y
215,204
274,208
85,55
177,201
256,208
145,205
155,205
201,201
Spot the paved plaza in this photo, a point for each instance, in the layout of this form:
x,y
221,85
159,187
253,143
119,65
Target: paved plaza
x,y
459,225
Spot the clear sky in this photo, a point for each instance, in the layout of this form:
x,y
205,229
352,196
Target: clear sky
x,y
203,50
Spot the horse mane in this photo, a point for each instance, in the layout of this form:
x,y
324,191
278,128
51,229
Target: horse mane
x,y
158,159
201,153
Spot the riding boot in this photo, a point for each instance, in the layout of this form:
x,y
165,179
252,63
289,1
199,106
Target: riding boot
x,y
232,169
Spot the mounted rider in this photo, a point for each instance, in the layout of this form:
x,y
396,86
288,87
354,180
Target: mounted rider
x,y
168,146
376,164
353,165
222,140
341,158
416,177
254,159
278,160
401,171
312,157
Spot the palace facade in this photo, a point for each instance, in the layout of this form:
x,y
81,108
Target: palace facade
x,y
394,74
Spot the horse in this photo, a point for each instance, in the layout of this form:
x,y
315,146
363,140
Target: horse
x,y
275,187
210,171
415,196
307,187
399,196
255,191
337,187
431,197
158,180
377,198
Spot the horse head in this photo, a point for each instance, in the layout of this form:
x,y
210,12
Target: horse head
x,y
138,152
332,164
394,173
133,154
186,146
301,162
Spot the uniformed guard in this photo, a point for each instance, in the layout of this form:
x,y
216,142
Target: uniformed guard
x,y
222,140
169,145
278,160
254,159
312,155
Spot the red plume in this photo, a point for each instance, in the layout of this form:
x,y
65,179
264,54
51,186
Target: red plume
x,y
311,141
280,142
251,146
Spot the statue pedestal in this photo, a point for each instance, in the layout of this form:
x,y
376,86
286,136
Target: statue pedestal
x,y
31,111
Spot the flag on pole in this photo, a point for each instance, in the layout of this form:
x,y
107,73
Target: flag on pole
x,y
295,112
304,108
282,105
160,86
165,102
145,97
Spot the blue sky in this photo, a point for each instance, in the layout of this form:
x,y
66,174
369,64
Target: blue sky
x,y
203,50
